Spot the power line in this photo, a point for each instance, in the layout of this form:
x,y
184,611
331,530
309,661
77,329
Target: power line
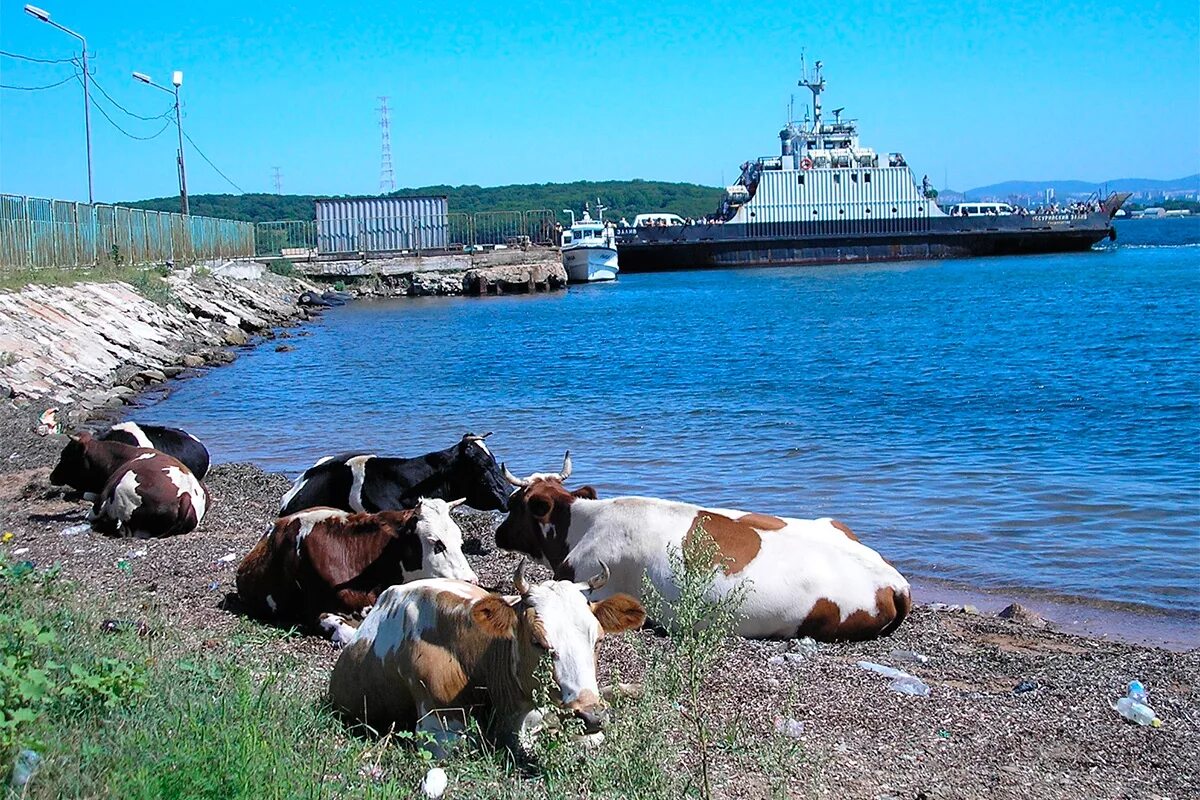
x,y
37,60
211,164
36,88
163,115
113,122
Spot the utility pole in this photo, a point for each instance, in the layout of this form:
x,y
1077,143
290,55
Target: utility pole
x,y
278,181
44,16
176,81
387,179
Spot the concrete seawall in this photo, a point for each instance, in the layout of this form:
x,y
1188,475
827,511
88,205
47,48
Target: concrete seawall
x,y
483,273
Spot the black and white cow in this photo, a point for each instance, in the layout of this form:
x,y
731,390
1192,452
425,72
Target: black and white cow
x,y
149,496
364,482
172,441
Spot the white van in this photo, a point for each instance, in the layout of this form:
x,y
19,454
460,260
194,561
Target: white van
x,y
656,220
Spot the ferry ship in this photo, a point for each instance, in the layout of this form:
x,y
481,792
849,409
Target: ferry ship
x,y
827,199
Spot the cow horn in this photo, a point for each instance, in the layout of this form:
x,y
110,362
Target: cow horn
x,y
566,468
513,479
598,580
457,503
476,437
519,579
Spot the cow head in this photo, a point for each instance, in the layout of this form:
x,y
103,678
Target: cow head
x,y
85,463
441,542
477,476
554,619
539,514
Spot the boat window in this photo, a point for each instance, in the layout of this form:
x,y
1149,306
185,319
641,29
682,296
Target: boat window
x,y
854,177
800,179
837,178
866,177
566,238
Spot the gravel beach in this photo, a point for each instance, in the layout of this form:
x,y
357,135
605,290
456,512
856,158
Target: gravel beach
x,y
973,736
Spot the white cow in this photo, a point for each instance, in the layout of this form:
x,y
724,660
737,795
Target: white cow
x,y
807,577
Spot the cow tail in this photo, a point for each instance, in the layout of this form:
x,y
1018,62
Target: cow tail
x,y
903,600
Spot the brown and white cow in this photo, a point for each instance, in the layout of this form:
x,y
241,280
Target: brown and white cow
x,y
86,463
430,650
807,577
325,560
149,496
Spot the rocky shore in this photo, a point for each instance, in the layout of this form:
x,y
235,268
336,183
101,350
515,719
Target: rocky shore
x,y
1016,709
93,346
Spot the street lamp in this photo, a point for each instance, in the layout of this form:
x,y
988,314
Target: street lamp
x,y
176,81
44,16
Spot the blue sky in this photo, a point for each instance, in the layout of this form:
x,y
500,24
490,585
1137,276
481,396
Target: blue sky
x,y
513,93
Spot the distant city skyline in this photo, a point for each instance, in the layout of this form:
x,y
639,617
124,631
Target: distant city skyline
x,y
973,93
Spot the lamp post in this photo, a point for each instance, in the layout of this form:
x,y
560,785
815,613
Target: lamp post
x,y
44,16
176,81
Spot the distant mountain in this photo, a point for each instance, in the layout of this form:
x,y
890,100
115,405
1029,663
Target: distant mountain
x,y
621,198
1191,183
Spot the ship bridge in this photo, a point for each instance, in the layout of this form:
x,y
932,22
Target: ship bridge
x,y
823,174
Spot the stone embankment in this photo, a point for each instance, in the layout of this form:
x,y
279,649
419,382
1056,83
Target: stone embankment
x,y
489,272
95,345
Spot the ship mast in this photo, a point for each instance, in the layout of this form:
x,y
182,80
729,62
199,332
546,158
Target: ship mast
x,y
816,84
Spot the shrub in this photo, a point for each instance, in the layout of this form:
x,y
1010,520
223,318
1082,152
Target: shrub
x,y
283,267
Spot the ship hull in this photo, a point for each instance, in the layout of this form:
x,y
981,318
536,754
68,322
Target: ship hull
x,y
790,244
590,264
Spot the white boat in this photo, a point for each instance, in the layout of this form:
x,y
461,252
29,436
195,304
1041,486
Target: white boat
x,y
589,249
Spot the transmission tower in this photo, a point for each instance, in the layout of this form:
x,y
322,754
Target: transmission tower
x,y
278,181
387,178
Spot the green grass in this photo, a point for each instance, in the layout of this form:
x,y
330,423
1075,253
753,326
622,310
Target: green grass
x,y
123,715
148,281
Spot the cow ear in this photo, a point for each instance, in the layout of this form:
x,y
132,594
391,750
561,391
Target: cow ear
x,y
619,613
83,437
494,616
584,492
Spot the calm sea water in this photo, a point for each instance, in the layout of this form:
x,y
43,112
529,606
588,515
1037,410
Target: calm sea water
x,y
1014,422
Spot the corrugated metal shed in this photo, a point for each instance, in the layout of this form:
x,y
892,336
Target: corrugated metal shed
x,y
381,224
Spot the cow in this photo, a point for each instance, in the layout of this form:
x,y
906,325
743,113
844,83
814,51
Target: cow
x,y
325,560
86,463
365,482
149,496
174,442
431,649
805,577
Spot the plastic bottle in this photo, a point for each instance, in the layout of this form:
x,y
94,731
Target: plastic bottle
x,y
24,767
1137,712
1138,693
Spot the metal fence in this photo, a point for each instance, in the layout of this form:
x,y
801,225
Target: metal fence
x,y
37,233
277,238
391,234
